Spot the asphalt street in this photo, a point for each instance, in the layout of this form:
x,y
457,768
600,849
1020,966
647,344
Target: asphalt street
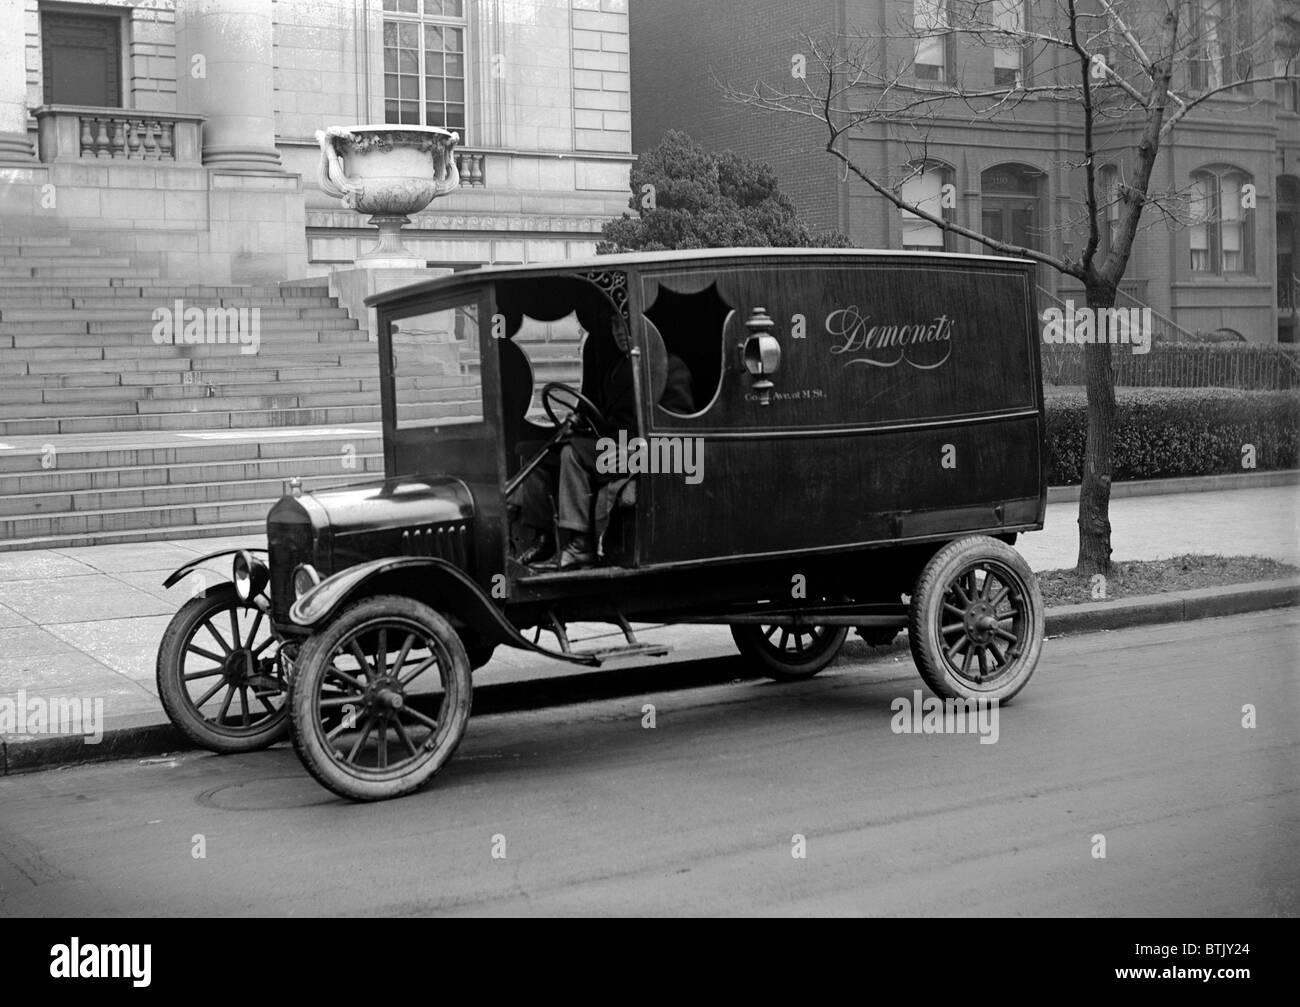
x,y
1136,736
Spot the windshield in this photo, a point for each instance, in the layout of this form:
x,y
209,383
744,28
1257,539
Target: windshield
x,y
437,373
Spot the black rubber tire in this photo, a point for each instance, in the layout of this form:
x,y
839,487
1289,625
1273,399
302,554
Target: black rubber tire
x,y
926,626
364,620
170,669
783,665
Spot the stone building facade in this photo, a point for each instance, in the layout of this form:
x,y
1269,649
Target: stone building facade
x,y
1012,176
181,132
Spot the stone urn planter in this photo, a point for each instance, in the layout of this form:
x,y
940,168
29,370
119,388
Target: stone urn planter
x,y
388,172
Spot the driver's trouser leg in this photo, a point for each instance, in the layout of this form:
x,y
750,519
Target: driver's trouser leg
x,y
537,501
576,485
576,496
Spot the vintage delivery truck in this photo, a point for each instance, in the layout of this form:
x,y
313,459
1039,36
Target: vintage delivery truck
x,y
793,443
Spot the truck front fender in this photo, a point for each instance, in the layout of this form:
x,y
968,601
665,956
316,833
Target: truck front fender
x,y
180,572
439,581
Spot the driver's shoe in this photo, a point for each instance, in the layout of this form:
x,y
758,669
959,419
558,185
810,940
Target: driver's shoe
x,y
539,550
580,552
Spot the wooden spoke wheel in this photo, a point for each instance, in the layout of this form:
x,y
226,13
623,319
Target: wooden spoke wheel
x,y
222,673
789,652
976,621
380,698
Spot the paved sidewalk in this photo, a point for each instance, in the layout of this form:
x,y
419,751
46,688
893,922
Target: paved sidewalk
x,y
1239,522
87,621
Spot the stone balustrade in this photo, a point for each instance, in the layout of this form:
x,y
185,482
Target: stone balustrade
x,y
77,133
470,165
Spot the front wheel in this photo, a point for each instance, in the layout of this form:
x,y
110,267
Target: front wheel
x,y
789,653
976,621
380,698
221,674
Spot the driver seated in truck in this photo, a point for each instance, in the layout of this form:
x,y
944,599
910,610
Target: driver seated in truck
x,y
564,495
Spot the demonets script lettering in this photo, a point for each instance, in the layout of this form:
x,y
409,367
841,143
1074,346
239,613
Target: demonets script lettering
x,y
886,345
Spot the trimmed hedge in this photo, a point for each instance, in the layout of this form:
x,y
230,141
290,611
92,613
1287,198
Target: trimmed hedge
x,y
1162,433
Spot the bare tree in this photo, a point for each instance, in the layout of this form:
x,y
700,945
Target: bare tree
x,y
1133,69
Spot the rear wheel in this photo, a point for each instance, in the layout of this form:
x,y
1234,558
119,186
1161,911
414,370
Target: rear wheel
x,y
221,674
380,698
976,621
789,652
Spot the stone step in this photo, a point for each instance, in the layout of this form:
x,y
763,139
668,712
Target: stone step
x,y
308,327
143,313
123,360
164,533
72,261
136,393
258,446
111,280
97,304
35,240
126,402
58,388
121,276
172,517
89,502
205,421
282,342
172,384
180,375
156,290
348,461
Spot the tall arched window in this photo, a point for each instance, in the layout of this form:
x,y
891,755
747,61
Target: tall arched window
x,y
926,191
1221,235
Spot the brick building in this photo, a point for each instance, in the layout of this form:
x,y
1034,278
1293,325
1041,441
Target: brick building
x,y
1011,176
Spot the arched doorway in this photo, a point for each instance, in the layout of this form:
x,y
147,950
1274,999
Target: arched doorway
x,y
1011,205
1288,258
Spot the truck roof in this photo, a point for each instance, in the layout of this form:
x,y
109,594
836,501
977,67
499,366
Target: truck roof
x,y
683,256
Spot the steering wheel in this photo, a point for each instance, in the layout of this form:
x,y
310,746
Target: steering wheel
x,y
581,409
579,405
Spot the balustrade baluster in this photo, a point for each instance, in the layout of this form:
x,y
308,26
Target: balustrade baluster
x,y
119,138
133,139
87,141
165,141
150,142
101,139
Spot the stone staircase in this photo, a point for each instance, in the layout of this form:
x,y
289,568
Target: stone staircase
x,y
106,435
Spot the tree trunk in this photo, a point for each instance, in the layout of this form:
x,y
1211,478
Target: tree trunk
x,y
1094,493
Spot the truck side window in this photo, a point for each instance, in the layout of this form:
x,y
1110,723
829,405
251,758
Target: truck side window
x,y
691,325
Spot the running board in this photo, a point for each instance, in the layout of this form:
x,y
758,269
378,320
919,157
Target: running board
x,y
632,647
605,654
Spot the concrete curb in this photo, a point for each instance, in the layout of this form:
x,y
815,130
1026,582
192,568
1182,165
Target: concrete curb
x,y
152,735
1177,606
1185,484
